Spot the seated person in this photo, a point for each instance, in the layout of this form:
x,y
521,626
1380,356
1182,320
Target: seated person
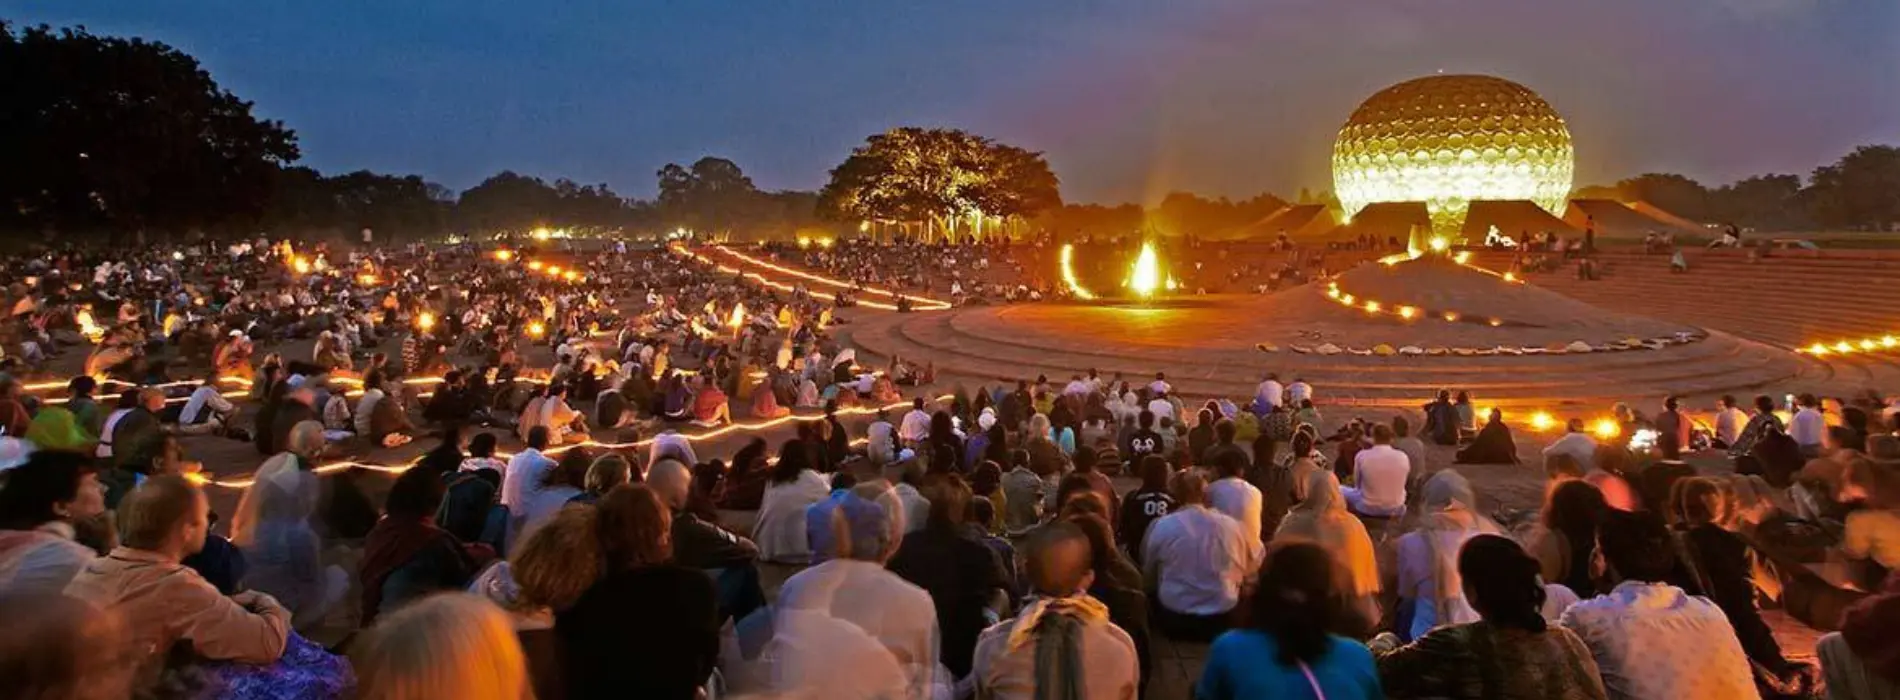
x,y
207,411
613,410
1008,659
406,556
709,404
731,560
1640,631
379,413
166,604
564,424
1493,445
1196,560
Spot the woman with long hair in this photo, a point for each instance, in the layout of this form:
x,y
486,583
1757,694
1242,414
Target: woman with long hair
x,y
1566,538
1289,649
1322,518
1510,653
675,608
452,645
794,485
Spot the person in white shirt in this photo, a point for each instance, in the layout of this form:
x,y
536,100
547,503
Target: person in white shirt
x,y
1729,420
1576,443
1651,640
1233,496
1195,560
852,585
1379,475
526,470
1160,385
206,411
1807,426
1270,394
1298,391
1077,387
881,440
1161,407
915,427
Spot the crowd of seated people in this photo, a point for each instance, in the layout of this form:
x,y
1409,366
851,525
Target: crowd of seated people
x,y
975,545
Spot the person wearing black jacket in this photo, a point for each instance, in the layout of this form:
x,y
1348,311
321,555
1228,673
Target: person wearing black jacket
x,y
1147,504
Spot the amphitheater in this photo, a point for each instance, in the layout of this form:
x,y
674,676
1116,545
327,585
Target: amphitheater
x,y
1389,335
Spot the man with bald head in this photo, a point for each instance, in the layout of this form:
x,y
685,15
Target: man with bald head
x,y
1012,660
730,559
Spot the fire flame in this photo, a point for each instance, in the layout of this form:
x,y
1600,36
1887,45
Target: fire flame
x,y
87,327
1145,277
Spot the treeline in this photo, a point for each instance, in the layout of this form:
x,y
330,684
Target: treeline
x,y
1861,191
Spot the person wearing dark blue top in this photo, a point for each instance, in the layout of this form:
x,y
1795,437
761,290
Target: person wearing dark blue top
x,y
1289,651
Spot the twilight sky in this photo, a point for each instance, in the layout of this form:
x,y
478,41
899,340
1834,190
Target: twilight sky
x,y
1128,98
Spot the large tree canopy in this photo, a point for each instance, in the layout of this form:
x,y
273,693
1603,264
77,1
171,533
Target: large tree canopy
x,y
126,134
1862,190
938,177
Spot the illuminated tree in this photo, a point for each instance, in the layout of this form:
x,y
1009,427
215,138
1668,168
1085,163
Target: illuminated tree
x,y
943,181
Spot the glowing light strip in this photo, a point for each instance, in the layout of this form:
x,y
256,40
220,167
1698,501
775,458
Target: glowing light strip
x,y
334,467
1848,347
761,279
918,302
1408,313
1068,274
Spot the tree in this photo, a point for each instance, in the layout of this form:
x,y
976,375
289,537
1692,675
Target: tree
x,y
1862,190
127,134
508,201
1765,202
713,196
939,179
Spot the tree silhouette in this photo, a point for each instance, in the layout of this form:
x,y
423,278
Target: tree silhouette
x,y
127,135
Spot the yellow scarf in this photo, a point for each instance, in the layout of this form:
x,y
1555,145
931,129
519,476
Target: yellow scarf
x,y
1081,607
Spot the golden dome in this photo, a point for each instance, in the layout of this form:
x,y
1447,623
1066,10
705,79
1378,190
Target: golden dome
x,y
1449,140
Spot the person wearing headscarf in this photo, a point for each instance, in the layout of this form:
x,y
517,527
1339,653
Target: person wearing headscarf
x,y
1429,585
1493,444
55,428
1322,519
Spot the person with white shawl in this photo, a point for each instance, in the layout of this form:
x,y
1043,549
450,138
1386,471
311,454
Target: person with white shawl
x,y
671,445
1428,556
1322,518
560,418
794,486
272,527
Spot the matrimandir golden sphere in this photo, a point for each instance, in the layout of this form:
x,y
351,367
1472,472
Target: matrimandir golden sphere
x,y
1449,140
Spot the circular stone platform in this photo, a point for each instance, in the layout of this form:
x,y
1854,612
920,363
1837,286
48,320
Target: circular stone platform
x,y
1545,349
